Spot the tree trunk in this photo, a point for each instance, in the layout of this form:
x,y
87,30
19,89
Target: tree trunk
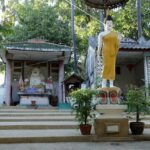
x,y
73,37
139,19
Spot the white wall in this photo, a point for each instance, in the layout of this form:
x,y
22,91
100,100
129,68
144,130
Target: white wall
x,y
2,88
127,77
2,94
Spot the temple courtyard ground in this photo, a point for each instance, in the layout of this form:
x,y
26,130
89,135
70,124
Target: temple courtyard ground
x,y
79,146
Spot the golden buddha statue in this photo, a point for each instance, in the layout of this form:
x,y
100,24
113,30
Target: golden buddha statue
x,y
108,46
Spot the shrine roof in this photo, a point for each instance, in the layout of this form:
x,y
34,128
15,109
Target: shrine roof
x,y
37,49
126,44
36,45
73,78
142,44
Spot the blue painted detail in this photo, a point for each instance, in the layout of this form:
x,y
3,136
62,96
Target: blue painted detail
x,y
64,106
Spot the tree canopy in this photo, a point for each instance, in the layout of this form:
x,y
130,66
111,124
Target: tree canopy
x,y
38,20
51,20
126,19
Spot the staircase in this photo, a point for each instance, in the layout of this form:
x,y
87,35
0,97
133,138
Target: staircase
x,y
29,125
23,125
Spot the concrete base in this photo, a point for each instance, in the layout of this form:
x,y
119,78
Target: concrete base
x,y
111,109
111,127
27,100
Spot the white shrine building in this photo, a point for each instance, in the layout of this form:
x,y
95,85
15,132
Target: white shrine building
x,y
20,59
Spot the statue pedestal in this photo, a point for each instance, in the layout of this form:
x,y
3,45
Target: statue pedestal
x,y
111,127
111,110
109,103
37,99
111,121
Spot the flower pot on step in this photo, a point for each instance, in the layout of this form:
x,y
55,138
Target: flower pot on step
x,y
137,128
85,129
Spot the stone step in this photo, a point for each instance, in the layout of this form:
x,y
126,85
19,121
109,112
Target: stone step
x,y
47,125
70,135
145,117
26,107
43,120
44,136
147,126
38,125
144,137
34,110
60,106
35,114
35,118
18,125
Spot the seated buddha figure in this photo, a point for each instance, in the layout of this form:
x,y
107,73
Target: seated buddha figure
x,y
36,78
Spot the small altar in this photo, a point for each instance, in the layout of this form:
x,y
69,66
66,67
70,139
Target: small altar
x,y
35,91
40,99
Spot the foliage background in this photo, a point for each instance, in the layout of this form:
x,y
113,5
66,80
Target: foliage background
x,y
51,20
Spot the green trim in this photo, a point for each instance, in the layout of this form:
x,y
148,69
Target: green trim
x,y
37,47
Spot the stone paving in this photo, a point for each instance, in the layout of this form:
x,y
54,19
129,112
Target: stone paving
x,y
79,146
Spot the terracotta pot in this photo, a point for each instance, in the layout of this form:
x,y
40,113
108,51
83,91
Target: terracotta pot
x,y
33,103
137,128
85,129
54,101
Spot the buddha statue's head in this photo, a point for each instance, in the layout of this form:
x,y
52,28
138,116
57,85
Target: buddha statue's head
x,y
109,23
35,72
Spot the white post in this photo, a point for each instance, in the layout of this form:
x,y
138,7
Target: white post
x,y
8,82
147,72
61,79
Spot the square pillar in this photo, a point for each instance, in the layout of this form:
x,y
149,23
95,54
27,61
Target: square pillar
x,y
8,82
61,84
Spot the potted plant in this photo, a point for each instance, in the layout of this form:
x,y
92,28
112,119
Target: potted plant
x,y
82,100
137,102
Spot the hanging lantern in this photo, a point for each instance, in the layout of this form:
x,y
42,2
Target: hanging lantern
x,y
105,4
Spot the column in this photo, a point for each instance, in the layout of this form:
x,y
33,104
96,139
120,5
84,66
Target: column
x,y
61,84
8,82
